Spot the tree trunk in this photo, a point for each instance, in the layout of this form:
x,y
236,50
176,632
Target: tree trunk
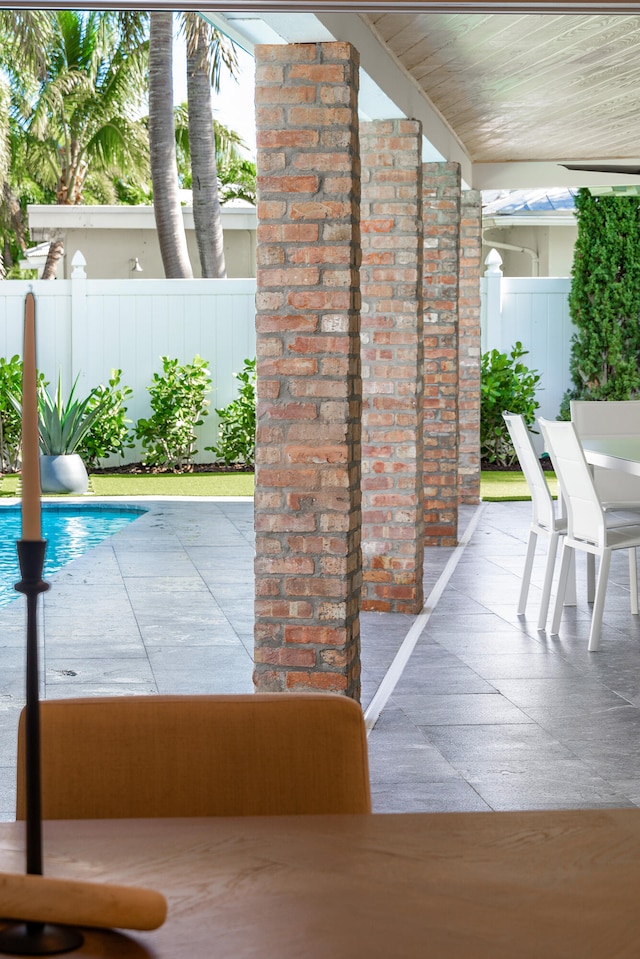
x,y
12,205
56,249
206,202
162,145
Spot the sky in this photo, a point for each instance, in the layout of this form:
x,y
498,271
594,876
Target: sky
x,y
234,105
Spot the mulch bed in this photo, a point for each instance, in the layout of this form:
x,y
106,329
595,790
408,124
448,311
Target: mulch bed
x,y
545,463
139,469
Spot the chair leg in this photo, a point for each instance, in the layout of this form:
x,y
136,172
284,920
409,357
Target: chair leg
x,y
633,580
570,596
548,579
591,577
526,574
565,565
598,606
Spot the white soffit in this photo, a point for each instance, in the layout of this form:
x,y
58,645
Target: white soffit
x,y
385,90
498,176
510,220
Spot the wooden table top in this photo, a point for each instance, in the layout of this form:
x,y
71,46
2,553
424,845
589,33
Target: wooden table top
x,y
512,885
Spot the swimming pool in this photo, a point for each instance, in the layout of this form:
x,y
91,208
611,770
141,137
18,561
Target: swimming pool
x,y
70,530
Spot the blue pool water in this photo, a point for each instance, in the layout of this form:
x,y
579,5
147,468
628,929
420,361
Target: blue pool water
x,y
69,531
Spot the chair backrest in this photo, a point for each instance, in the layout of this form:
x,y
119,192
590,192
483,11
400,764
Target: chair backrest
x,y
605,417
542,503
585,516
235,755
609,418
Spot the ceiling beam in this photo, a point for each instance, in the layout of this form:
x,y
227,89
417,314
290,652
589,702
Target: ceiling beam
x,y
344,6
422,6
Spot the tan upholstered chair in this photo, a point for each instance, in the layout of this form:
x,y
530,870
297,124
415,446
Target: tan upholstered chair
x,y
236,755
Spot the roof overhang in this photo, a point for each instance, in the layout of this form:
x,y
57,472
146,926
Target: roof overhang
x,y
505,221
107,217
391,85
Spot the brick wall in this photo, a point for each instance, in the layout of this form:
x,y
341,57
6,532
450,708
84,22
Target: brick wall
x,y
392,356
441,212
469,347
307,500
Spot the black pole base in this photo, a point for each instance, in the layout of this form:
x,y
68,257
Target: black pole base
x,y
38,939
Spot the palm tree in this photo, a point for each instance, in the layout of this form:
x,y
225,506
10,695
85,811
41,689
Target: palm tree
x,y
83,118
207,51
162,147
23,37
236,174
78,115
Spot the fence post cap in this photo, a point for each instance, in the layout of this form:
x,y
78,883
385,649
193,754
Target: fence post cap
x,y
78,263
493,263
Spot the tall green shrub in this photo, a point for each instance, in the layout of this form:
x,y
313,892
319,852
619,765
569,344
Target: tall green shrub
x,y
237,430
604,302
179,405
10,419
109,433
506,385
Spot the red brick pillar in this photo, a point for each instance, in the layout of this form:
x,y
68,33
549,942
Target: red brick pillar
x,y
392,366
441,211
307,500
469,347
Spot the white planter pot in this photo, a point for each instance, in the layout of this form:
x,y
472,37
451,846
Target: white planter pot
x,y
63,474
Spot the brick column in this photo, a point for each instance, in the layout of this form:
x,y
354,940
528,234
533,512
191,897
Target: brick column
x,y
469,347
392,366
307,500
441,211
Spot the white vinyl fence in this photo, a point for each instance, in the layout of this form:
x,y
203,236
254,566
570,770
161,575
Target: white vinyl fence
x,y
90,327
534,311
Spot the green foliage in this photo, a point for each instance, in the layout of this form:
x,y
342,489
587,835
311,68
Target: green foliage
x,y
237,180
236,173
604,302
179,406
10,422
506,384
238,421
17,273
108,434
132,194
10,413
64,424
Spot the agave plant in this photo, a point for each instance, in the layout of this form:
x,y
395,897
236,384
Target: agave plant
x,y
63,425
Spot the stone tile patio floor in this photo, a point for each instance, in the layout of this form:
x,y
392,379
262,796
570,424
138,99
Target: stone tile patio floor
x,y
487,713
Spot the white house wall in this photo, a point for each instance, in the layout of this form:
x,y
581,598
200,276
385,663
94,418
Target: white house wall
x,y
109,253
553,244
112,237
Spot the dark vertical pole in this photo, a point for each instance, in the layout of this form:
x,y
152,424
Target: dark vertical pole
x,y
31,556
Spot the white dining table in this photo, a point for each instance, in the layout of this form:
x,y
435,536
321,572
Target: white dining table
x,y
613,452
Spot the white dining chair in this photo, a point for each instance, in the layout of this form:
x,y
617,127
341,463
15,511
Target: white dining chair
x,y
610,418
588,528
546,518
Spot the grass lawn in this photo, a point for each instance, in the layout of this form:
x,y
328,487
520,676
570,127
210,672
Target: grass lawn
x,y
494,485
161,484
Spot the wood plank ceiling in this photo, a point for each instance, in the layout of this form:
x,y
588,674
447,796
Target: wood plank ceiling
x,y
530,87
